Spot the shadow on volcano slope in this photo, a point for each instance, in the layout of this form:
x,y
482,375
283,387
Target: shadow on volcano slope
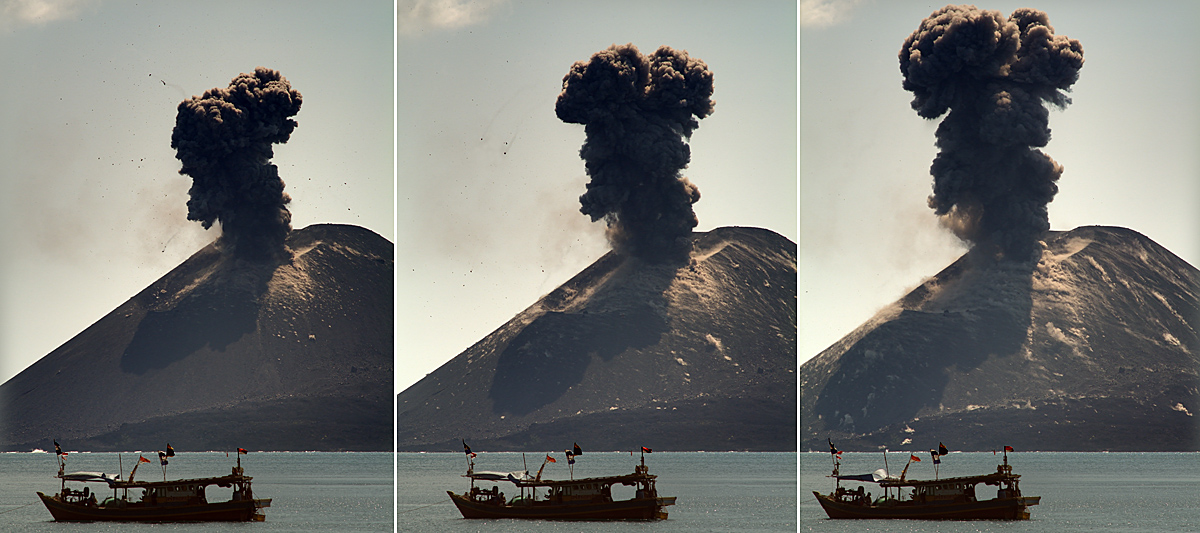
x,y
552,353
966,314
215,314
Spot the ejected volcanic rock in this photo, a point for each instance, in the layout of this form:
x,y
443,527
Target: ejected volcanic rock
x,y
691,356
1093,347
223,353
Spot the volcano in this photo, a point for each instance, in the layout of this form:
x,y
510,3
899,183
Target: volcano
x,y
222,353
629,353
1091,347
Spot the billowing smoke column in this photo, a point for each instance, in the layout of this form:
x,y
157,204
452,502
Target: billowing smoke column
x,y
637,111
991,186
224,140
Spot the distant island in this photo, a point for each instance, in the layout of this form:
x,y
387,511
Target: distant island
x,y
221,353
699,355
1090,346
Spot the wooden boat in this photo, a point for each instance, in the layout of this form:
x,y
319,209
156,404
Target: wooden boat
x,y
936,499
181,500
574,499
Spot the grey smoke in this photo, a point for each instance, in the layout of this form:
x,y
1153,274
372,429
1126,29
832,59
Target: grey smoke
x,y
995,77
223,138
638,111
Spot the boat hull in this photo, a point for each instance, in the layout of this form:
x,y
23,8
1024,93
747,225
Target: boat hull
x,y
635,509
230,511
995,509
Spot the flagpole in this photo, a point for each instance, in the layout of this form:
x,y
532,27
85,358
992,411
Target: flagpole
x,y
886,471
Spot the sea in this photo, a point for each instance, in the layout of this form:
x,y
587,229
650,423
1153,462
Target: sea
x,y
1081,492
719,492
314,491
716,492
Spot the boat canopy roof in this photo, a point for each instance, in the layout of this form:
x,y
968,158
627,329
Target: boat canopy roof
x,y
499,476
116,482
627,479
91,477
994,478
866,478
523,479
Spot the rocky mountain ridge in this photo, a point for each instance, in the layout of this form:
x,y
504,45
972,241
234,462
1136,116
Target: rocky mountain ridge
x,y
1093,347
698,356
223,353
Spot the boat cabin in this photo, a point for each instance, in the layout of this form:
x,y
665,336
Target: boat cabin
x,y
182,493
586,492
948,492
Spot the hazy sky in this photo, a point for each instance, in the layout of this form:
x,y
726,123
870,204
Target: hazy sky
x,y
1129,144
489,179
91,203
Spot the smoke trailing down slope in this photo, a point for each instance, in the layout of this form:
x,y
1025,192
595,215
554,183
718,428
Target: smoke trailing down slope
x,y
637,111
995,77
224,139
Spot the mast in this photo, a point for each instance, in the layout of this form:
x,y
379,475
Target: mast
x,y
905,471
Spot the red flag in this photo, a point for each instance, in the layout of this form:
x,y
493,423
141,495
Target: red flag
x,y
646,450
143,459
1009,449
914,458
551,459
242,451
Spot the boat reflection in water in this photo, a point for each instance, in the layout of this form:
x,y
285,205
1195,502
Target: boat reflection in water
x,y
180,500
936,499
574,499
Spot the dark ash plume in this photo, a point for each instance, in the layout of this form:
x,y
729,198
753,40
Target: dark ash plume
x,y
991,185
224,140
637,112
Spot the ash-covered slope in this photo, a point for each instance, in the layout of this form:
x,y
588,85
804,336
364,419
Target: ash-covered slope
x,y
628,353
1094,347
223,353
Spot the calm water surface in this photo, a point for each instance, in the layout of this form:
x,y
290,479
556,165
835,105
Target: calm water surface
x,y
722,492
310,491
1081,492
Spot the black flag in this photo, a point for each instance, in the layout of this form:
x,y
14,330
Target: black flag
x,y
578,450
170,450
942,449
832,449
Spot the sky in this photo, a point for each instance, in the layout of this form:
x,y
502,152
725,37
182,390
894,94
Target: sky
x,y
484,203
91,202
488,178
1128,143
